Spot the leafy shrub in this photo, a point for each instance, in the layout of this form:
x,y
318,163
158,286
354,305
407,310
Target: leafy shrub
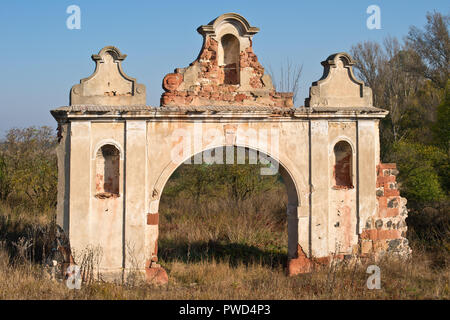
x,y
28,168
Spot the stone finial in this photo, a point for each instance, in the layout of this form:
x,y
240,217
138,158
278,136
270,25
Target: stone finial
x,y
226,72
338,86
108,85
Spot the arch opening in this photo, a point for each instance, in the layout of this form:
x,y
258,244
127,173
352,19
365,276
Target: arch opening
x,y
228,211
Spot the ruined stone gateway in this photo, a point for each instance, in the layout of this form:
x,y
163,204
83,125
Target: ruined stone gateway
x,y
116,154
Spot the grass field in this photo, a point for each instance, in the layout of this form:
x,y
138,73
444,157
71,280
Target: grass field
x,y
221,249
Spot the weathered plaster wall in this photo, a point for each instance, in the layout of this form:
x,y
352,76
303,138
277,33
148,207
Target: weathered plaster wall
x,y
321,223
322,220
108,84
361,215
136,194
106,213
292,156
368,159
80,184
338,87
63,156
343,214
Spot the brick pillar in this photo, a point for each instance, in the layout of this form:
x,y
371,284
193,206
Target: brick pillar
x,y
386,231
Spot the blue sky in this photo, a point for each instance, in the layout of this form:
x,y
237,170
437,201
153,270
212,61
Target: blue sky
x,y
41,58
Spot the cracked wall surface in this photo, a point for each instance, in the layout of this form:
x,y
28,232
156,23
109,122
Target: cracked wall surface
x,y
115,154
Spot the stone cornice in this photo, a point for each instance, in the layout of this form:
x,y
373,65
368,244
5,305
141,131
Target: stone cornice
x,y
212,112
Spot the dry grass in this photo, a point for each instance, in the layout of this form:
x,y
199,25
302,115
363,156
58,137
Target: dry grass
x,y
253,230
219,280
225,250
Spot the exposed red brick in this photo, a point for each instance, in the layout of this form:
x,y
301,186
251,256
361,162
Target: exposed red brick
x,y
389,205
152,219
374,234
208,88
256,82
391,192
342,173
366,247
392,212
227,96
370,234
240,97
204,94
231,74
215,96
301,264
385,179
166,99
155,252
325,260
215,83
156,275
107,171
388,234
382,212
388,166
382,202
172,81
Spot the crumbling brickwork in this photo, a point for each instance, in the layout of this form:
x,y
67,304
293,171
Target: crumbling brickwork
x,y
386,232
342,203
383,233
212,81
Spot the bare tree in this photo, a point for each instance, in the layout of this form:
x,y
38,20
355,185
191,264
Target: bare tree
x,y
400,85
369,56
433,47
383,69
289,78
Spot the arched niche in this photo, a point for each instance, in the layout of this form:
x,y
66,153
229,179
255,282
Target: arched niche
x,y
107,171
230,58
342,165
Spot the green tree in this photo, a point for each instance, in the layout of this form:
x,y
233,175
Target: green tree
x,y
409,80
5,184
441,129
418,165
234,181
28,168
